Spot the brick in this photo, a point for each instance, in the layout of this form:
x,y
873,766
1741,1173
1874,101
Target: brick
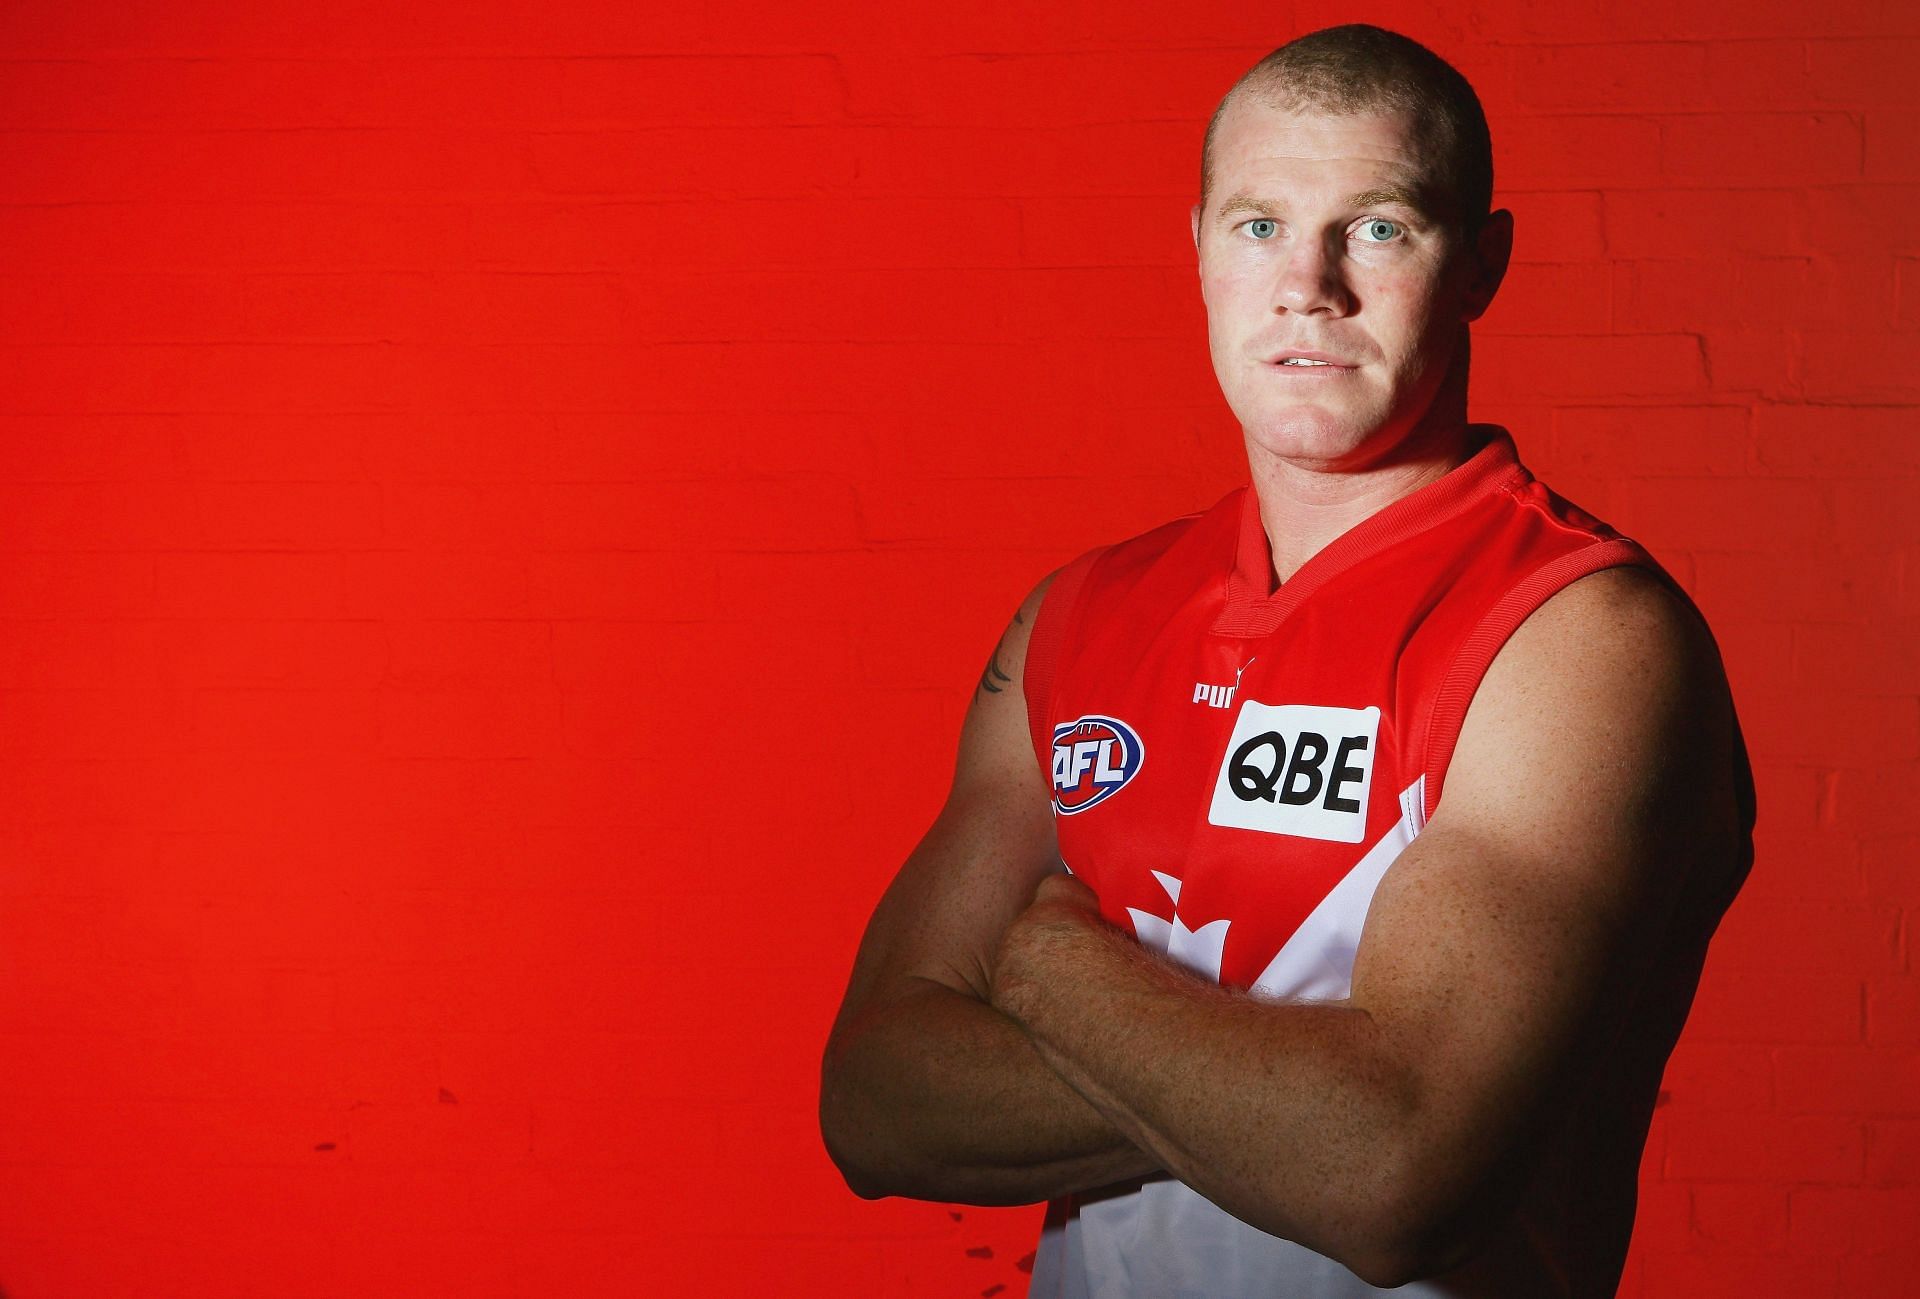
x,y
352,307
166,234
59,379
1740,1217
1830,224
78,655
95,723
1800,935
1577,152
1663,1216
1657,225
1851,440
261,585
1906,277
1755,1003
49,449
109,515
443,1133
1773,1148
1892,145
151,308
1879,659
1707,513
1553,226
1713,1077
1884,1275
1874,800
174,94
1825,292
1604,78
1134,231
676,162
777,91
1893,1011
1764,364
1819,583
1893,1152
1847,1220
1723,1275
1030,513
1880,1081
1762,148
1606,368
1115,157
321,162
1862,367
1652,441
1757,655
1084,87
1867,73
816,232
1554,298
164,1133
1793,865
1838,729
294,515
1891,865
1763,75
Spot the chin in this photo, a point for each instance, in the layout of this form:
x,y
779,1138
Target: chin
x,y
1306,433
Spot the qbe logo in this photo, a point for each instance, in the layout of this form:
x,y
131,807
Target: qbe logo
x,y
1297,769
1092,758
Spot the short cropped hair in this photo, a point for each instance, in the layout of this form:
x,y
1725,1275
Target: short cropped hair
x,y
1360,68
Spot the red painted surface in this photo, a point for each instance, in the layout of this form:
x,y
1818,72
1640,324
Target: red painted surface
x,y
501,507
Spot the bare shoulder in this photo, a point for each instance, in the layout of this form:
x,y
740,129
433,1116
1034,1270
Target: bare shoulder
x,y
1603,731
1620,631
994,743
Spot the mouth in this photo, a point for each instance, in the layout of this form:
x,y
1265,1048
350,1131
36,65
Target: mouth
x,y
1310,362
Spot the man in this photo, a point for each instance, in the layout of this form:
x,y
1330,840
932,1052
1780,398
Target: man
x,y
1292,1023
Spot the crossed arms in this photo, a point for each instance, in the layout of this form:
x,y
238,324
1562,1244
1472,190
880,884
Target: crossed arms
x,y
1000,1043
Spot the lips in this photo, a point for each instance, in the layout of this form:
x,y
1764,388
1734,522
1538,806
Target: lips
x,y
1325,358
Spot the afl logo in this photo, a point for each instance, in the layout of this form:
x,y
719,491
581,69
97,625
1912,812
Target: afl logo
x,y
1092,759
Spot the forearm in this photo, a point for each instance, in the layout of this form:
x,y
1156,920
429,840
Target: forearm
x,y
1293,1118
937,1095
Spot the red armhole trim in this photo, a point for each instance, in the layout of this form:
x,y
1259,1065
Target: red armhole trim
x,y
1470,665
1043,651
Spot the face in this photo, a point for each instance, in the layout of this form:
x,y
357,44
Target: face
x,y
1316,240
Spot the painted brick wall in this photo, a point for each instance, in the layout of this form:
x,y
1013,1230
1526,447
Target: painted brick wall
x,y
501,507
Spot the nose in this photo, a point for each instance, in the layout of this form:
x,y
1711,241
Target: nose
x,y
1312,281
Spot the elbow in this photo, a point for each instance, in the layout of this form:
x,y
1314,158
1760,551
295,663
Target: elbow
x,y
854,1128
1401,1225
840,1132
1391,1254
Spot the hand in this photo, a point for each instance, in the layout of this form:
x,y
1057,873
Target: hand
x,y
1063,910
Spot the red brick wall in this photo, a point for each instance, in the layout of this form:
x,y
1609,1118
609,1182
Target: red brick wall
x,y
501,506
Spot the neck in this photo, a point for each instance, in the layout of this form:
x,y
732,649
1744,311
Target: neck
x,y
1304,504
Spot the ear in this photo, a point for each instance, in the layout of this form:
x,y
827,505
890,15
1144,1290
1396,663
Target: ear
x,y
1487,262
1193,220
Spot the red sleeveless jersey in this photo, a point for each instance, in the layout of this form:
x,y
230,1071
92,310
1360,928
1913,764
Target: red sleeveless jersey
x,y
1235,767
1227,760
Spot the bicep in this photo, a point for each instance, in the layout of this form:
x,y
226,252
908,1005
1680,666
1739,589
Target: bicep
x,y
979,863
1585,791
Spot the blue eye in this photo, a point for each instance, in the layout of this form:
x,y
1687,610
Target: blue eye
x,y
1374,225
1263,228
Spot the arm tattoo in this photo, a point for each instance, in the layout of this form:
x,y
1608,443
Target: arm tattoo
x,y
994,678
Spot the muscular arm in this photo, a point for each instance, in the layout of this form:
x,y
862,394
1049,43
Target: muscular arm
x,y
926,1090
1587,803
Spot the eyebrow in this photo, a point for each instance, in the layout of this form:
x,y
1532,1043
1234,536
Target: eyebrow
x,y
1402,195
